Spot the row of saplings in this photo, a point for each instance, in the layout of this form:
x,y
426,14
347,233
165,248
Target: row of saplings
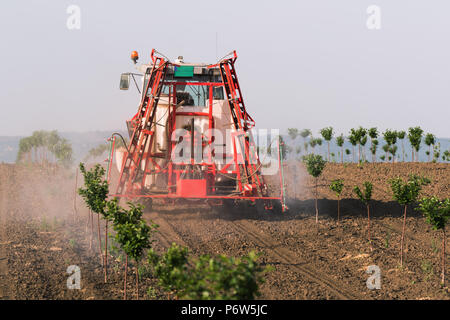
x,y
178,273
406,193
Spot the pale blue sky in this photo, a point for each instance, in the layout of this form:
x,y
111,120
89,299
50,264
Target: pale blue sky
x,y
304,64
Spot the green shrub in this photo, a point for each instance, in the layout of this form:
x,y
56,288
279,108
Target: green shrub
x,y
206,277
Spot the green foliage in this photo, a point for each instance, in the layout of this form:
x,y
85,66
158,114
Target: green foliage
x,y
171,268
225,278
446,155
132,232
436,152
293,133
96,189
337,186
25,146
347,151
319,141
359,134
437,212
373,133
340,140
366,195
429,139
305,133
401,134
63,152
206,277
44,143
363,141
393,150
352,138
374,146
390,136
407,192
327,133
415,137
314,164
97,151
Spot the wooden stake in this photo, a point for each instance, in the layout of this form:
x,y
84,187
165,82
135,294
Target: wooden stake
x,y
317,210
100,241
403,237
125,281
137,281
443,257
106,252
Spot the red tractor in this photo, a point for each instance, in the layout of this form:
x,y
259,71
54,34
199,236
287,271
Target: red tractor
x,y
191,137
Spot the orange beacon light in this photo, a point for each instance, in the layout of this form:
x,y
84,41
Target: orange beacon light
x,y
134,56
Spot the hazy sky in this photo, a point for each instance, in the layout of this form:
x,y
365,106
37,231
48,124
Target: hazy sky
x,y
304,64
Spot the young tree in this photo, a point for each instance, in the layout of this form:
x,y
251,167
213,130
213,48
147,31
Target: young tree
x,y
401,135
406,193
171,268
386,149
95,194
365,196
437,214
63,152
132,233
373,133
436,151
362,143
97,151
327,134
361,139
446,155
38,142
347,152
47,147
305,133
354,139
337,186
225,278
207,277
340,144
298,150
318,142
315,165
373,149
393,152
293,133
390,136
25,147
415,138
430,140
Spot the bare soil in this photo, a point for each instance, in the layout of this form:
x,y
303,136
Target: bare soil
x,y
43,231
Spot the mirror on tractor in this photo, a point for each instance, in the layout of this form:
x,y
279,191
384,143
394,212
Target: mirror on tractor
x,y
124,81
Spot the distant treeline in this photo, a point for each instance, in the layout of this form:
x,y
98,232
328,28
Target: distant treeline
x,y
44,147
364,144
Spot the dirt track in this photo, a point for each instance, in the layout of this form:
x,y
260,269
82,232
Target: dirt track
x,y
42,235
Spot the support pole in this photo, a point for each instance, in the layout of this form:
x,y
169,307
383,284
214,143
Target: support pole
x,y
280,162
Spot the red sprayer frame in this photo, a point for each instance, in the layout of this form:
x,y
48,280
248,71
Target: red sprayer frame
x,y
246,173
